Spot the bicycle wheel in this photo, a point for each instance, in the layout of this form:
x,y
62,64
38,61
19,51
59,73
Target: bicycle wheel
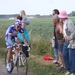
x,y
11,63
22,64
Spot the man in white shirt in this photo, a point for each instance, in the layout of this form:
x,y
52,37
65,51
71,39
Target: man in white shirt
x,y
69,43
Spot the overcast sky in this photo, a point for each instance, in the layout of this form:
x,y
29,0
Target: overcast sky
x,y
32,7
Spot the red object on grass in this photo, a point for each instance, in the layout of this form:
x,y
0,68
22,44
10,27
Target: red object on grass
x,y
50,42
48,57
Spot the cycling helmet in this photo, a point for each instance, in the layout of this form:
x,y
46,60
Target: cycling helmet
x,y
18,22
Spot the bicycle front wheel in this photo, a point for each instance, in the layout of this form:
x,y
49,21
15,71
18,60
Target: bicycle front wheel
x,y
22,64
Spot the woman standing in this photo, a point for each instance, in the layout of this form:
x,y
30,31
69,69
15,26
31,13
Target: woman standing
x,y
56,61
25,22
69,44
59,36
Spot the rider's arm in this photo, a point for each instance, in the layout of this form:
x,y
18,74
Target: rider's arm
x,y
9,34
9,38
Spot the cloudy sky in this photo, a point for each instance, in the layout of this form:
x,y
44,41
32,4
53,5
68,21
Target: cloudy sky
x,y
32,7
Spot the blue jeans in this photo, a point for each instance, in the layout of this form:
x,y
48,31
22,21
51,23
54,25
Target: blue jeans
x,y
69,57
66,55
60,47
72,60
56,53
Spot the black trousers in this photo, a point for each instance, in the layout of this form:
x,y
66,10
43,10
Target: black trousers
x,y
24,49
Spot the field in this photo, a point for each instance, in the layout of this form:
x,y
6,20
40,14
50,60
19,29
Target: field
x,y
40,31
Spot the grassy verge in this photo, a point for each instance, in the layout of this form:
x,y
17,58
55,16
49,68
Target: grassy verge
x,y
41,47
44,68
2,52
36,63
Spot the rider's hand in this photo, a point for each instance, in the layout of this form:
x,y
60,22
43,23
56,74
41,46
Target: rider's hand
x,y
26,44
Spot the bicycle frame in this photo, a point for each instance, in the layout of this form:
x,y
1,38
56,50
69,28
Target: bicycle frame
x,y
18,55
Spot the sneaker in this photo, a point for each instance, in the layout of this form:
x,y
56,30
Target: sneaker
x,y
54,61
67,73
72,74
8,67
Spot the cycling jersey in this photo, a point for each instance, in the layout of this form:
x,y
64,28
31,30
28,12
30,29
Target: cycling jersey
x,y
11,30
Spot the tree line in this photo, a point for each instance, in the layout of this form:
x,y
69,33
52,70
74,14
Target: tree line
x,y
72,13
36,16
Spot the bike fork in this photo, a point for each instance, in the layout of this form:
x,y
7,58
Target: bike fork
x,y
22,60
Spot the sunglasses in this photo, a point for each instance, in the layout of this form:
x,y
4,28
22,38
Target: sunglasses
x,y
53,14
18,26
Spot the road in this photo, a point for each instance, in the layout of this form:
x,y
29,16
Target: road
x,y
3,70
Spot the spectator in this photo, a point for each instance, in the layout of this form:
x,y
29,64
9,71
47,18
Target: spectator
x,y
55,11
59,36
19,17
25,22
69,44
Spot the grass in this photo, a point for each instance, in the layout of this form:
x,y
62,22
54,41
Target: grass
x,y
43,68
41,47
41,28
40,31
2,52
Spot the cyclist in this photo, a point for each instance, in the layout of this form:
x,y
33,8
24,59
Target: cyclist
x,y
10,36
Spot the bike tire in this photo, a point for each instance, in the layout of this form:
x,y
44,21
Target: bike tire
x,y
23,69
12,67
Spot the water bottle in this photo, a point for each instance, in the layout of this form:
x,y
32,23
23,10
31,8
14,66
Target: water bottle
x,y
19,59
53,41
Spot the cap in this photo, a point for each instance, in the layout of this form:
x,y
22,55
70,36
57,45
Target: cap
x,y
63,14
26,20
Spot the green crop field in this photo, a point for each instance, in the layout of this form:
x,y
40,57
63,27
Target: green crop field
x,y
38,27
40,31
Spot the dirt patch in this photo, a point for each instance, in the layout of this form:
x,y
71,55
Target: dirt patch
x,y
3,70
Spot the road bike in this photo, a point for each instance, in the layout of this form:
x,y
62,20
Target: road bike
x,y
18,60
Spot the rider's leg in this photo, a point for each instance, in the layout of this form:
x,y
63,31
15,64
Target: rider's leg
x,y
8,64
17,40
9,54
9,48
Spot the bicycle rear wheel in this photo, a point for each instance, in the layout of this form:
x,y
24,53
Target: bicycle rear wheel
x,y
22,65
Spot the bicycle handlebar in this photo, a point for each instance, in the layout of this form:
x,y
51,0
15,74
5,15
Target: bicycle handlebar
x,y
15,45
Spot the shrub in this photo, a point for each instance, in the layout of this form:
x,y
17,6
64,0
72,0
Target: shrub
x,y
2,42
41,47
